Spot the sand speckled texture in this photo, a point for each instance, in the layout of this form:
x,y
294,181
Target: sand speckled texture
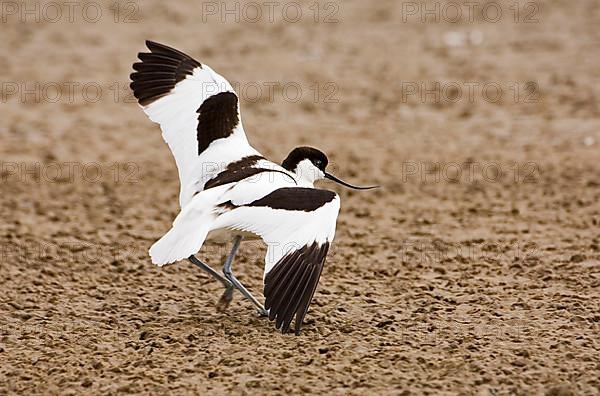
x,y
474,270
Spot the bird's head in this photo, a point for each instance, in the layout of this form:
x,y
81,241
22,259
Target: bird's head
x,y
309,165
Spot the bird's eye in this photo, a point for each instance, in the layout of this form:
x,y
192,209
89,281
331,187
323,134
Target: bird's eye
x,y
318,163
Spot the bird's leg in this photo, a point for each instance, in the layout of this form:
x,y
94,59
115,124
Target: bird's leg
x,y
228,295
215,274
236,283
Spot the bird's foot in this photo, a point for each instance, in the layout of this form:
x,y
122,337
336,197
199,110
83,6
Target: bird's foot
x,y
263,312
225,299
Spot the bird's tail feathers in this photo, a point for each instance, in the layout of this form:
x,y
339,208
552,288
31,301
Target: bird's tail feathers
x,y
179,243
189,230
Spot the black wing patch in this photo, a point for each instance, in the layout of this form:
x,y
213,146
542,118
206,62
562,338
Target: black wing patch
x,y
217,118
291,284
295,198
240,170
236,171
159,71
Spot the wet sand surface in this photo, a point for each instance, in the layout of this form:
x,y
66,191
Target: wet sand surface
x,y
474,270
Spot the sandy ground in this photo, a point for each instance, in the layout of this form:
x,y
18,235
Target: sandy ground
x,y
475,270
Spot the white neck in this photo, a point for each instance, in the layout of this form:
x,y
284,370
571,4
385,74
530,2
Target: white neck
x,y
307,173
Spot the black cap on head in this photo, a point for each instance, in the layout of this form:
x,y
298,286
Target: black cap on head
x,y
318,158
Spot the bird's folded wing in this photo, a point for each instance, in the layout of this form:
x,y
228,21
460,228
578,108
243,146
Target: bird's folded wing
x,y
198,112
298,226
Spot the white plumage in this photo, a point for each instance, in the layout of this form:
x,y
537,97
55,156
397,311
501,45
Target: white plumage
x,y
228,185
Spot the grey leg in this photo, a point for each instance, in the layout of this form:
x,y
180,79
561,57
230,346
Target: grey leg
x,y
236,283
212,272
228,295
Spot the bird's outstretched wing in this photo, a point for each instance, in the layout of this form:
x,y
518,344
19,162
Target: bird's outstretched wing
x,y
198,112
298,226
